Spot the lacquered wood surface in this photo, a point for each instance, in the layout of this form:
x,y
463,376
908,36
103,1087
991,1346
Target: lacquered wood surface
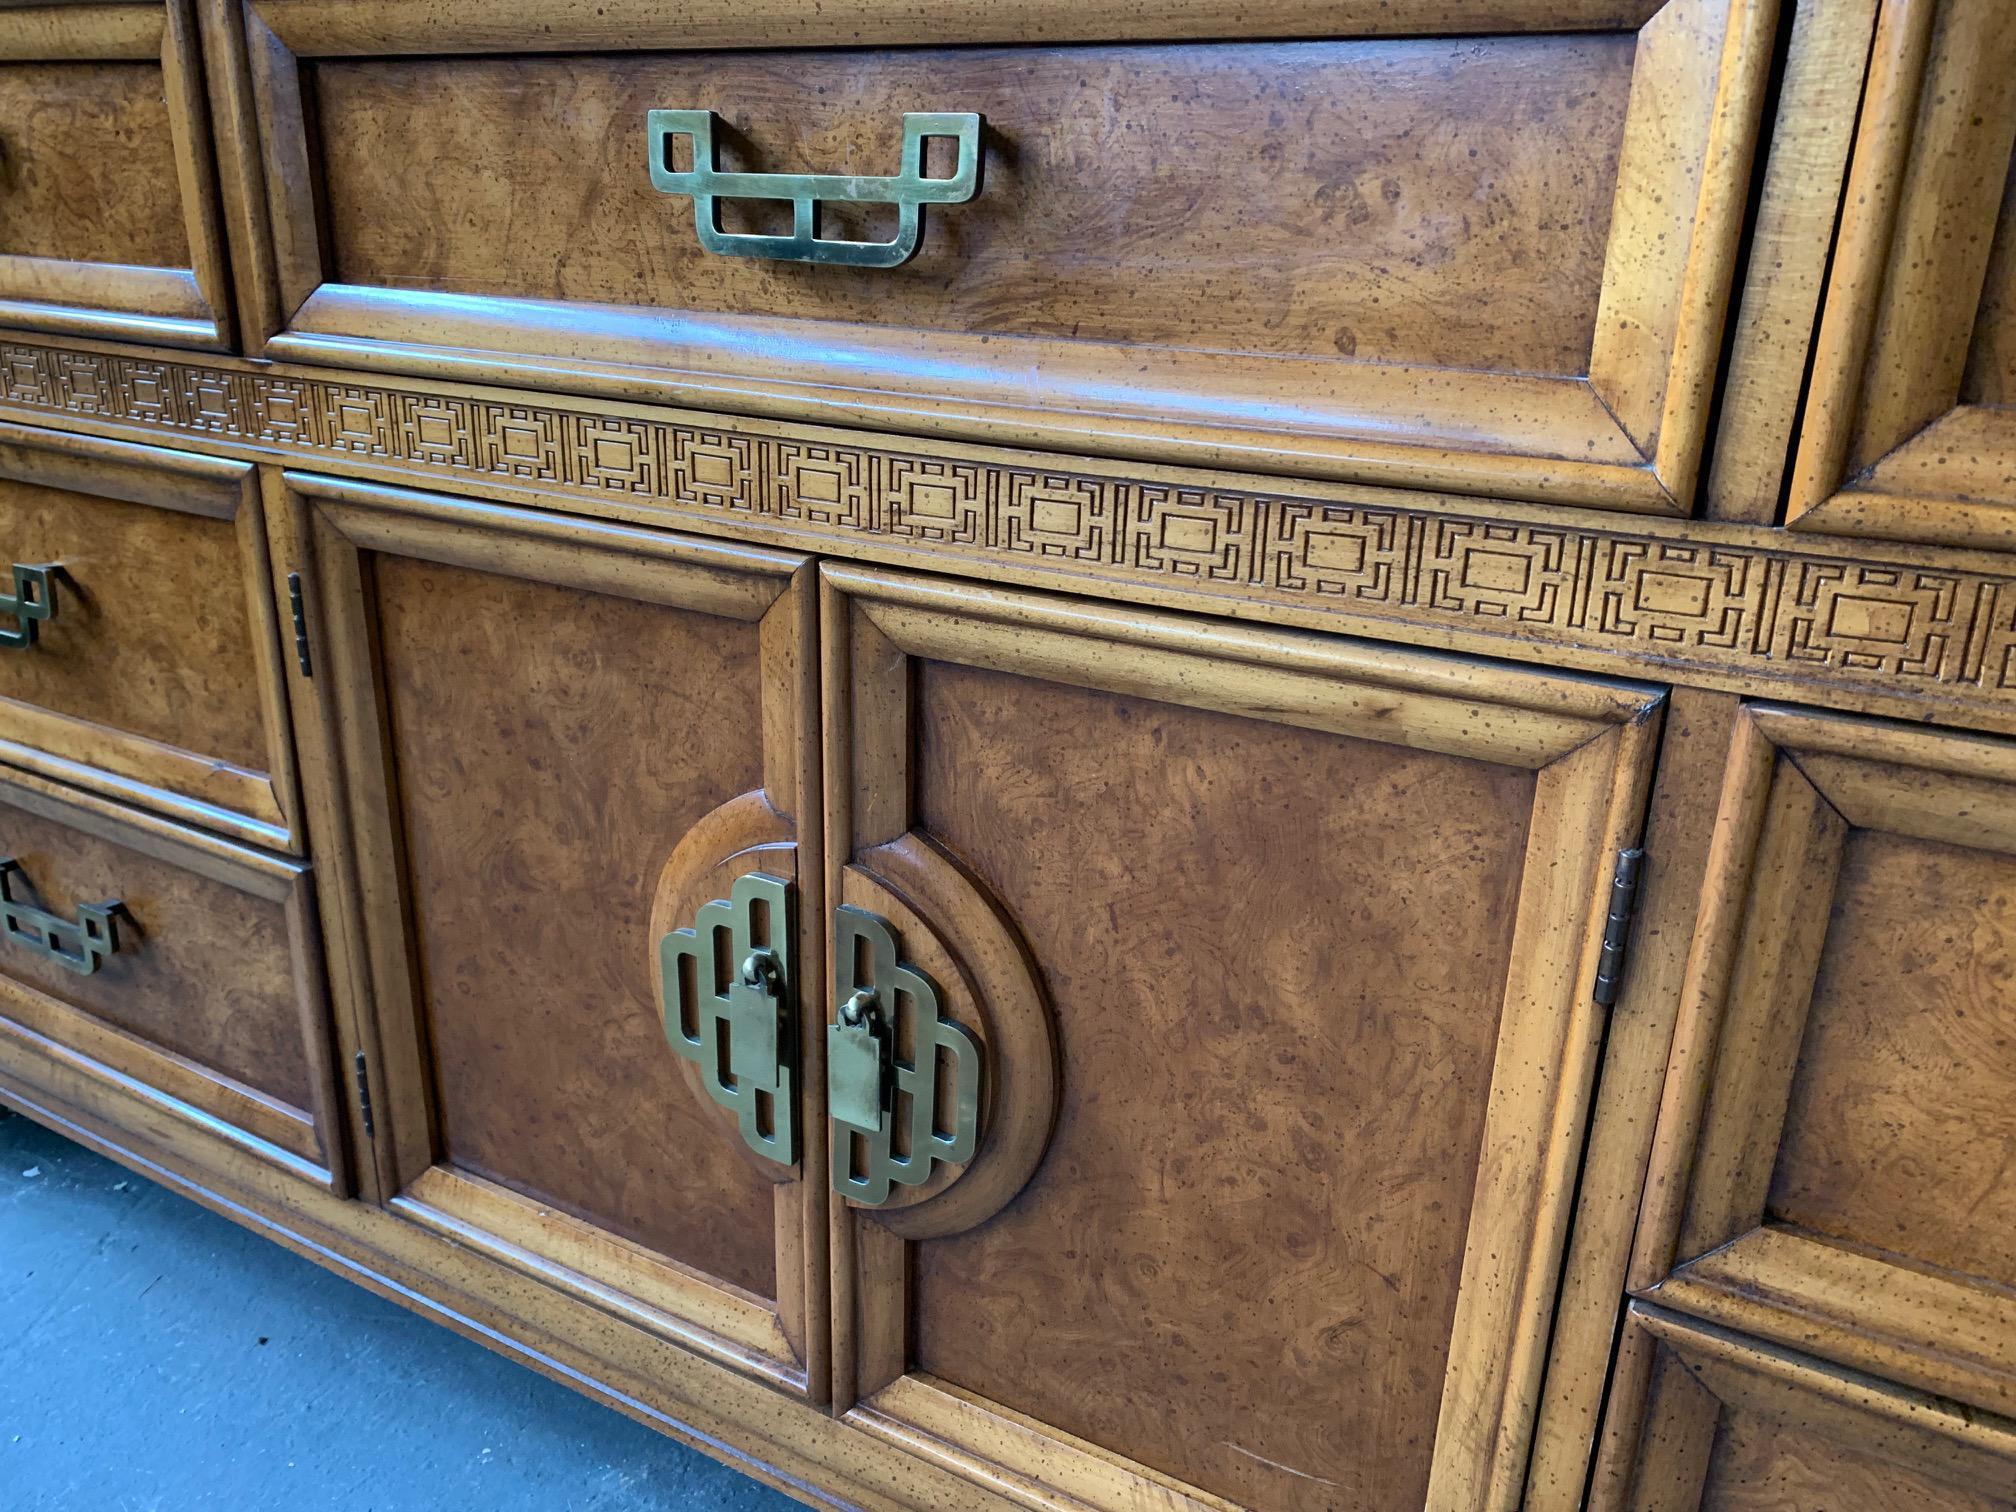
x,y
1901,1128
205,969
517,712
1325,322
1762,1466
1239,1261
1315,199
152,631
87,166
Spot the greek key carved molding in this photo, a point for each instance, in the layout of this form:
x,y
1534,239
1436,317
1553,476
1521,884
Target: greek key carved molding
x,y
1811,611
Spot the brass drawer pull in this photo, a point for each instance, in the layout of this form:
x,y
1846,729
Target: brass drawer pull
x,y
909,190
33,600
81,947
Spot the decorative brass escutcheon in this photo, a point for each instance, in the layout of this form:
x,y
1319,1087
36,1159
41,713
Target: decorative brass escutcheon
x,y
909,191
888,1125
731,977
80,947
33,600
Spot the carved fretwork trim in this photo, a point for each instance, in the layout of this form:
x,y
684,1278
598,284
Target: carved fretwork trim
x,y
1819,612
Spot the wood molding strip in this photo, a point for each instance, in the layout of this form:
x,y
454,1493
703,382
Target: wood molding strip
x,y
1902,630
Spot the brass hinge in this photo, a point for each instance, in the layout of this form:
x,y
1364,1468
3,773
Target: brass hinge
x,y
1617,927
300,623
364,1096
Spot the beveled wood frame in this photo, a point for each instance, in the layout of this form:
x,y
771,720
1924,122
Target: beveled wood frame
x,y
187,307
1626,434
340,524
132,1074
1699,1370
1589,741
1797,783
262,808
1889,448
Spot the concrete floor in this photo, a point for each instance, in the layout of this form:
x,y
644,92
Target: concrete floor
x,y
156,1357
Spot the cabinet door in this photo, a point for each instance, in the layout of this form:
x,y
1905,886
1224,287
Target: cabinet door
x,y
1911,424
547,729
1740,1426
1840,1116
1279,951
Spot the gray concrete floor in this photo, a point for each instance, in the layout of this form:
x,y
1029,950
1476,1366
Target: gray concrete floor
x,y
156,1357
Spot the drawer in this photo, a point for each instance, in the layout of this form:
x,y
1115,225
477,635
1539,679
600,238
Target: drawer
x,y
1911,427
1736,1425
141,656
164,972
1494,262
108,198
1840,1121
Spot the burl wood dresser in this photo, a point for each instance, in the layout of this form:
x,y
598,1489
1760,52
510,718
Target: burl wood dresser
x,y
1066,754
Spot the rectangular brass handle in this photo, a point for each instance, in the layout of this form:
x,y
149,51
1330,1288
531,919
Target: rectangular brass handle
x,y
909,191
80,947
33,600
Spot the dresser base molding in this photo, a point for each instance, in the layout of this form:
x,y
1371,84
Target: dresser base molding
x,y
795,1448
1908,631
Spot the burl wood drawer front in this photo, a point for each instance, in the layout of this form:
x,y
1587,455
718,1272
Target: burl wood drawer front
x,y
541,720
1493,262
179,972
1832,1168
108,198
1313,925
1911,428
141,652
1742,1426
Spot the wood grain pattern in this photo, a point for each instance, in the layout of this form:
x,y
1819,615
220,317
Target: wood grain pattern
x,y
108,205
1906,389
1316,1187
514,712
152,633
156,681
1762,1466
87,169
208,966
1740,1426
1829,1171
1902,1126
1205,708
1342,307
1307,199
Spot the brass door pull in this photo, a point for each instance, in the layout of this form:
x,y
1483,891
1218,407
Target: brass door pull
x,y
80,947
871,1154
730,975
909,191
33,601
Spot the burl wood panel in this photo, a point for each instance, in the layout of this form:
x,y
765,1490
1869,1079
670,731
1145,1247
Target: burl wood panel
x,y
1441,201
87,165
551,747
1276,959
1902,1127
204,970
1763,1466
152,632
